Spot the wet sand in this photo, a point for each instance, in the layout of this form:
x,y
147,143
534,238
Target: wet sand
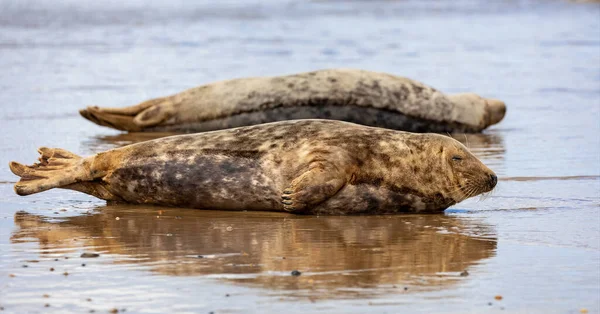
x,y
535,241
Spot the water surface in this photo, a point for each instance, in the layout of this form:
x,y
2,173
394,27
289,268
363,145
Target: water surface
x,y
535,241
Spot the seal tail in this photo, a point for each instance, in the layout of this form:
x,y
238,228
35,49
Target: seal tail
x,y
56,168
115,121
131,119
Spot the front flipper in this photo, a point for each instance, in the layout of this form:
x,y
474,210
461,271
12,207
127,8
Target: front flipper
x,y
320,182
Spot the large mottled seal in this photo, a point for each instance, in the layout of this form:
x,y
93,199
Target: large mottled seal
x,y
301,166
363,97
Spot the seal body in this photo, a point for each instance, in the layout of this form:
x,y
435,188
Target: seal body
x,y
301,166
363,97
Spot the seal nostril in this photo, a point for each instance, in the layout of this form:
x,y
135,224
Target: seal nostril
x,y
493,180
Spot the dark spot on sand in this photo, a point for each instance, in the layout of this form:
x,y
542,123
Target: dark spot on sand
x,y
89,255
296,273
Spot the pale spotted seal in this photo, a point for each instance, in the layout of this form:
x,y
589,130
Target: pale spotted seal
x,y
363,97
301,166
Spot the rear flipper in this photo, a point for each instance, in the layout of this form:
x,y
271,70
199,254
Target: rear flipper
x,y
133,119
57,168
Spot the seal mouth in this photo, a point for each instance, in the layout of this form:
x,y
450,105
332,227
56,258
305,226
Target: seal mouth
x,y
473,187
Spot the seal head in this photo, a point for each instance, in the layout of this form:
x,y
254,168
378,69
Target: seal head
x,y
468,175
476,111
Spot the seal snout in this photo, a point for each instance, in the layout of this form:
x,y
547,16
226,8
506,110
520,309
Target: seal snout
x,y
493,180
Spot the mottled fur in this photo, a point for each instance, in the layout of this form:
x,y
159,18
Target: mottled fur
x,y
363,97
302,166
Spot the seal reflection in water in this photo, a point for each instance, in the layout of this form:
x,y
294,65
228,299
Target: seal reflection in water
x,y
358,96
335,254
302,166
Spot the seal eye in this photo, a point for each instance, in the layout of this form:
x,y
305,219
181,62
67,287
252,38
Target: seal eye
x,y
456,158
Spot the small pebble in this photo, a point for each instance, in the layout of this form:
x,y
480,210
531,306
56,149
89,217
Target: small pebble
x,y
464,274
66,257
25,266
394,286
47,305
66,274
490,303
200,256
83,265
12,276
227,295
51,269
114,311
117,218
498,297
92,311
296,273
229,228
89,299
46,295
89,255
56,259
583,311
405,288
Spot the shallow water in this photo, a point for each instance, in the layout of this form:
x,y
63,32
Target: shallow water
x,y
535,241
